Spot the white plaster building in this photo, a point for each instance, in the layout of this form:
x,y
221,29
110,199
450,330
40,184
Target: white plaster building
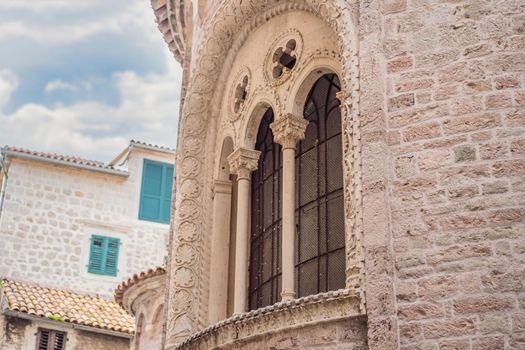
x,y
54,207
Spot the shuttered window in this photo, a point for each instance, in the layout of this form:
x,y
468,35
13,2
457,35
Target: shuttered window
x,y
103,256
48,339
155,197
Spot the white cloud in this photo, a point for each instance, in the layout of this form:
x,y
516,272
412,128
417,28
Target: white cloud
x,y
148,104
8,84
60,85
147,111
59,22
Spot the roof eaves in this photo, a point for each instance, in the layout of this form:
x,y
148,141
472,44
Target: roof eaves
x,y
25,316
23,155
152,147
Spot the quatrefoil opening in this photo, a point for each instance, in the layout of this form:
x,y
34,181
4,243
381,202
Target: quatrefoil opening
x,y
241,94
284,59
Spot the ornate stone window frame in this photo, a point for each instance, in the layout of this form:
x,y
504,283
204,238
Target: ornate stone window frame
x,y
187,303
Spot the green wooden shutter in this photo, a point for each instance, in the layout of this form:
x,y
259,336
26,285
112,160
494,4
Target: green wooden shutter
x,y
151,196
96,255
111,262
103,256
155,198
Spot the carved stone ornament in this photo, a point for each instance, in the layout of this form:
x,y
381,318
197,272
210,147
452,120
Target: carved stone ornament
x,y
282,57
289,130
214,51
243,328
243,161
239,93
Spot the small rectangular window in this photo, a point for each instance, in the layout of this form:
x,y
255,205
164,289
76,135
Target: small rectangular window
x,y
155,196
103,255
48,339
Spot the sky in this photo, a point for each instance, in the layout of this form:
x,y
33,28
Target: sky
x,y
84,77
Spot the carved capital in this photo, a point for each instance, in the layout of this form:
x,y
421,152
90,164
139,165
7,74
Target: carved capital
x,y
243,161
222,186
289,130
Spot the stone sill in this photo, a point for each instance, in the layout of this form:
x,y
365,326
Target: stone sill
x,y
297,313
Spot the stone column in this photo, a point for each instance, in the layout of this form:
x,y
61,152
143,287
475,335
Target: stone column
x,y
287,131
220,248
242,162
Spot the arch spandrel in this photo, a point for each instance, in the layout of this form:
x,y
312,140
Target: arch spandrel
x,y
228,28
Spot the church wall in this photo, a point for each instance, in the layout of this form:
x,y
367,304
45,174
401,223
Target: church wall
x,y
51,211
441,101
452,120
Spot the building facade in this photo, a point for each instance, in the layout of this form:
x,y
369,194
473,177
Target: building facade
x,y
84,225
351,174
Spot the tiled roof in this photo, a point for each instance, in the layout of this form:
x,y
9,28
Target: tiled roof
x,y
136,278
77,161
142,143
90,311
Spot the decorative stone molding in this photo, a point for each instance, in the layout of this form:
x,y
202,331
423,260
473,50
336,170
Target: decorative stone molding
x,y
289,130
243,161
288,46
224,33
352,193
239,329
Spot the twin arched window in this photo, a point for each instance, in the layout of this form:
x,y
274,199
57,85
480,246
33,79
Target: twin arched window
x,y
320,241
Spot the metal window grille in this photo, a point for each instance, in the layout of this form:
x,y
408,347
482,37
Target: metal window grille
x,y
265,243
320,243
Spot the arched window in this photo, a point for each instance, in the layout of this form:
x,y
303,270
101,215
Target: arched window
x,y
320,243
265,251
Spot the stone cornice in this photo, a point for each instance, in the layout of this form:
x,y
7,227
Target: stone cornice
x,y
289,130
243,161
170,21
318,308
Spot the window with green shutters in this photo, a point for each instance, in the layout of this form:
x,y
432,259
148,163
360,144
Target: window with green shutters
x,y
103,255
155,196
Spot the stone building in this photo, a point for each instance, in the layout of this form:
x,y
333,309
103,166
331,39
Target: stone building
x,y
35,317
143,296
351,174
83,225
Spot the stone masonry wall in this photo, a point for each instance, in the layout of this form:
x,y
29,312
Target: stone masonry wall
x,y
22,335
453,122
51,212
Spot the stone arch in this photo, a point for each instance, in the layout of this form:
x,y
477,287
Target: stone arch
x,y
255,112
306,78
230,25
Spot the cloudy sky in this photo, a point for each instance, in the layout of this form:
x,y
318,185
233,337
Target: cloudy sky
x,y
83,77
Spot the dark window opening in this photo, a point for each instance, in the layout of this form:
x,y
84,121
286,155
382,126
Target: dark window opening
x,y
320,244
241,94
284,57
265,243
48,339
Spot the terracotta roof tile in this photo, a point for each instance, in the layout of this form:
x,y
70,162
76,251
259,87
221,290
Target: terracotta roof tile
x,y
61,305
55,156
136,278
136,142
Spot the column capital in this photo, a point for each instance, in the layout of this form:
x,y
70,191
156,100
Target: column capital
x,y
222,186
289,130
243,161
342,95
